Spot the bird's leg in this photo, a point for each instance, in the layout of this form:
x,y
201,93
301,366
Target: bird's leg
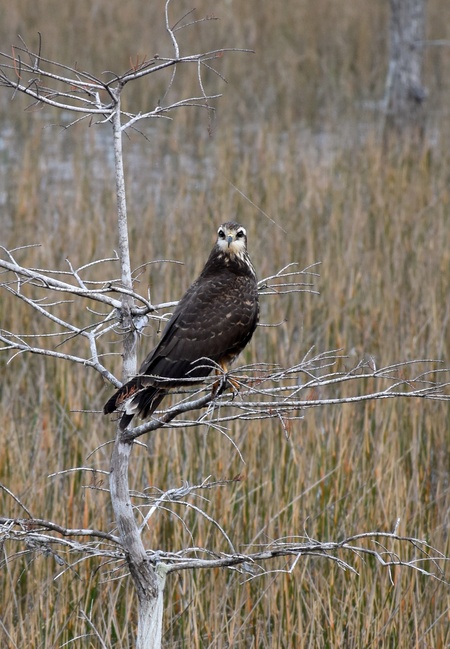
x,y
221,384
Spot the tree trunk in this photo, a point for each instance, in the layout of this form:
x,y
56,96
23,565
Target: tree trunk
x,y
405,95
148,579
130,334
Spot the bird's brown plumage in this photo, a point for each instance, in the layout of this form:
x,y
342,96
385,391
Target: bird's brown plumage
x,y
211,325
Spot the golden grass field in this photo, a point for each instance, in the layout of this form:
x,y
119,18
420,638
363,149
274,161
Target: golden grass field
x,y
294,139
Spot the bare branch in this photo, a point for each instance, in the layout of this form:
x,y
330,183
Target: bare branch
x,y
33,526
278,393
70,89
426,560
42,279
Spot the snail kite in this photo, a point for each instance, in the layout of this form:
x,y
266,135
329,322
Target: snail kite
x,y
211,325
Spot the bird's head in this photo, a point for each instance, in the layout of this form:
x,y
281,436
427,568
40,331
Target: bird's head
x,y
232,239
230,251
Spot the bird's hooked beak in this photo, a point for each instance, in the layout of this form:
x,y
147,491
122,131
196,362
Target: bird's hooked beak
x,y
229,240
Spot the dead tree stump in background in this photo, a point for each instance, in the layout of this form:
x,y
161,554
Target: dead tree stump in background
x,y
405,95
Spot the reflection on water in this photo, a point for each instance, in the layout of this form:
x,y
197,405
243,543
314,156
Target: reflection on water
x,y
159,159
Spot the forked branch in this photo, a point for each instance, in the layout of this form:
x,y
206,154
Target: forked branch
x,y
69,89
68,548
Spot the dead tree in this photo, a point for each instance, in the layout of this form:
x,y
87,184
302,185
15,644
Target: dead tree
x,y
267,391
405,95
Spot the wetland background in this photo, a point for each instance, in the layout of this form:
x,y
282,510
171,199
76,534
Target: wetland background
x,y
296,137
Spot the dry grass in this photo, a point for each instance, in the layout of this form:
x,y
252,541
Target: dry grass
x,y
378,221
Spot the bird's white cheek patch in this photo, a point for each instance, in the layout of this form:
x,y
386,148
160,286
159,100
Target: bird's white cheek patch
x,y
223,245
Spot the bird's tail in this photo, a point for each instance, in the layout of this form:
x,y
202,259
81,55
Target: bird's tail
x,y
133,399
120,396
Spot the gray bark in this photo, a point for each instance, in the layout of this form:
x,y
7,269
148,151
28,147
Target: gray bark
x,y
148,579
405,95
130,334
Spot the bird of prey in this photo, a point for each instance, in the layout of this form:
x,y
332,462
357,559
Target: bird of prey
x,y
211,325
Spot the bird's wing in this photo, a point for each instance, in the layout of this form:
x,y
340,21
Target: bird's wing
x,y
215,319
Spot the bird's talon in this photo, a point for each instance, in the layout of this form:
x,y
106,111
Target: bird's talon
x,y
219,386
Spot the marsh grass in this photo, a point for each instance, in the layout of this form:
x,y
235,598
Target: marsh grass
x,y
377,221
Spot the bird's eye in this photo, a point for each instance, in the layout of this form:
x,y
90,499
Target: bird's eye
x,y
240,233
221,233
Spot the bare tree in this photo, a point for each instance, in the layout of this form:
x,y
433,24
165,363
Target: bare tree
x,y
267,391
405,94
